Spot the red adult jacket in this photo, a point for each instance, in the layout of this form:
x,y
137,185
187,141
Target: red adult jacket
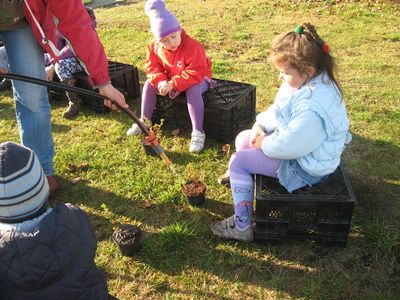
x,y
186,66
74,24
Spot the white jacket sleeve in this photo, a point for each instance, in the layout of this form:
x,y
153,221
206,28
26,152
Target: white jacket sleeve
x,y
302,135
267,119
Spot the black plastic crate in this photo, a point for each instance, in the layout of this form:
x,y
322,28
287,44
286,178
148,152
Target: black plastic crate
x,y
123,77
322,212
230,107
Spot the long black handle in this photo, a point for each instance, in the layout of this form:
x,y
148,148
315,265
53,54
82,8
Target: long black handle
x,y
81,91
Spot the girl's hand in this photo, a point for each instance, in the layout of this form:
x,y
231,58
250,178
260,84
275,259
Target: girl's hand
x,y
258,140
253,137
164,87
255,132
110,92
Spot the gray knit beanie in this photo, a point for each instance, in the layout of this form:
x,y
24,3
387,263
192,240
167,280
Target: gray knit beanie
x,y
23,184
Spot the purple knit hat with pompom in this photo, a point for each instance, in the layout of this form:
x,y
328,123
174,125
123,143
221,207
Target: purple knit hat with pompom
x,y
162,21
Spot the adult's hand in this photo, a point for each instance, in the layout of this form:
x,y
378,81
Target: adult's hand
x,y
3,71
110,92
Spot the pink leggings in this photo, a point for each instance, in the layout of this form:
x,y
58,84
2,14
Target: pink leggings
x,y
246,162
194,98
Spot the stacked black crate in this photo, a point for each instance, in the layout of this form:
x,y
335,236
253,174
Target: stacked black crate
x,y
321,212
124,77
229,108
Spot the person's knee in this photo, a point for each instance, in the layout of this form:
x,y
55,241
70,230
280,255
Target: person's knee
x,y
193,93
63,71
236,161
242,140
34,102
148,88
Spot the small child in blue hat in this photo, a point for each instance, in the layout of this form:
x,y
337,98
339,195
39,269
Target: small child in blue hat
x,y
45,253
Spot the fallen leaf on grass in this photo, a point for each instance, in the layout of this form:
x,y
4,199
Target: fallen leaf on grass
x,y
76,180
99,131
145,204
175,132
71,168
81,167
84,166
226,149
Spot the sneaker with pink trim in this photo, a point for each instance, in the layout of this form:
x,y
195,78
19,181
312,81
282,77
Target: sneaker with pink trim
x,y
227,229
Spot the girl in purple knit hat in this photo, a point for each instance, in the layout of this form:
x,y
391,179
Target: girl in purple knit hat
x,y
175,63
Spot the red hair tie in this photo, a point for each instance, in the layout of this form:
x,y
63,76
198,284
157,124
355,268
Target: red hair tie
x,y
325,48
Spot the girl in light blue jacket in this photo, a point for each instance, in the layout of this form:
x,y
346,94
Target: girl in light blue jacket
x,y
299,139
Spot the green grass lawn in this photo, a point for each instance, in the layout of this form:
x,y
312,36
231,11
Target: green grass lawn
x,y
180,259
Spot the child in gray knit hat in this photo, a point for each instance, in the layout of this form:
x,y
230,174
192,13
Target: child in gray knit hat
x,y
45,253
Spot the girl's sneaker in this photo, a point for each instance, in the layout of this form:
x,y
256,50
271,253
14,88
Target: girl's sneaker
x,y
227,229
224,179
134,130
197,142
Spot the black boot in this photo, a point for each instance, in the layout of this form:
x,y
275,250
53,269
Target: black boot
x,y
5,84
75,102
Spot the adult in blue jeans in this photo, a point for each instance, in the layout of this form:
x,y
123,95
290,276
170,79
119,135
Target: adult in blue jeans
x,y
27,27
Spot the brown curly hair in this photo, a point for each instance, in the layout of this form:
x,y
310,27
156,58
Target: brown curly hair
x,y
302,50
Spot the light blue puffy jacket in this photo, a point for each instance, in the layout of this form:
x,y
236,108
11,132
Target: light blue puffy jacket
x,y
308,130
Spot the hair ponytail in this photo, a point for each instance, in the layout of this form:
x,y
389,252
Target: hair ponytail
x,y
302,48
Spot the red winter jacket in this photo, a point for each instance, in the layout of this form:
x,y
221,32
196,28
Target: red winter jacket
x,y
186,66
74,24
63,46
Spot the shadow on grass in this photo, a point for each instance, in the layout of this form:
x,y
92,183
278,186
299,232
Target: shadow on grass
x,y
7,110
60,128
177,237
371,167
163,288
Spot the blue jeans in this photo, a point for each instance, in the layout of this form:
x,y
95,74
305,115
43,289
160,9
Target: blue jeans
x,y
32,105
